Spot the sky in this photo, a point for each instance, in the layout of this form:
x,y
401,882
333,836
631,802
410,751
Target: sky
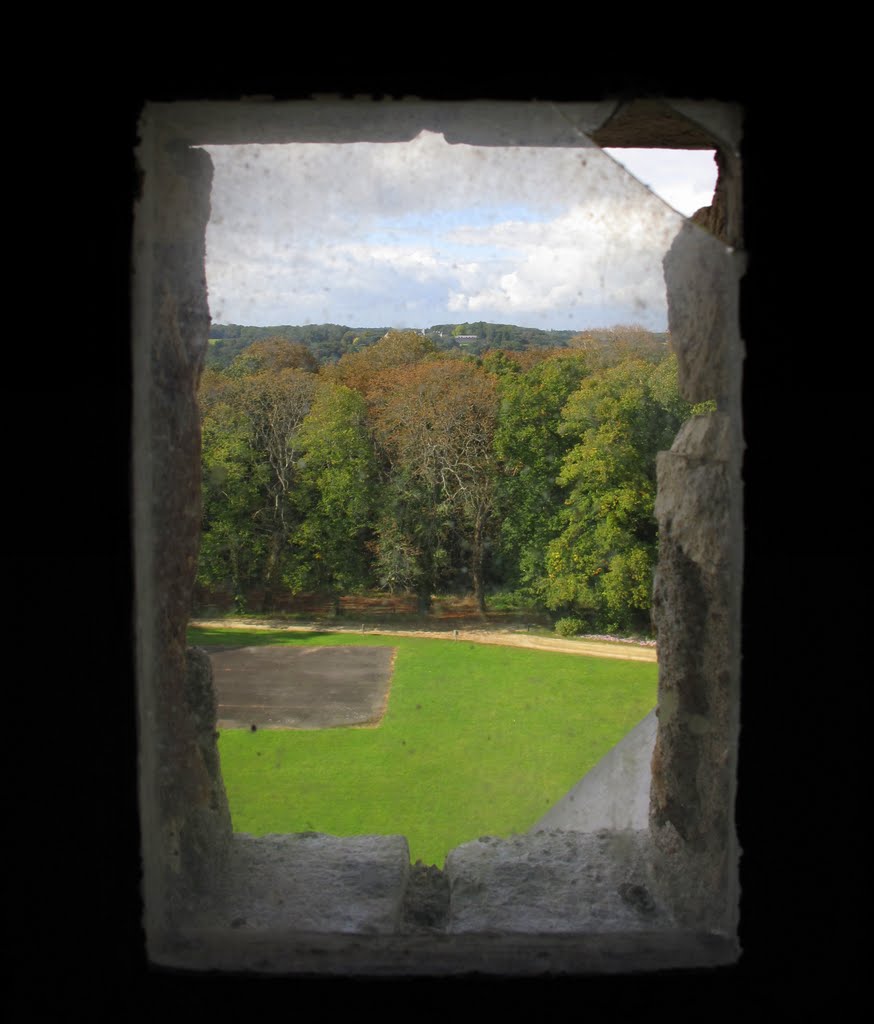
x,y
412,234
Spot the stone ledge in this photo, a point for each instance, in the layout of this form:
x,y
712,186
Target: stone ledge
x,y
555,882
532,955
305,882
549,903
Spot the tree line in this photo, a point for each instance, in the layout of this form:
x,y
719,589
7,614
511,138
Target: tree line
x,y
401,467
330,342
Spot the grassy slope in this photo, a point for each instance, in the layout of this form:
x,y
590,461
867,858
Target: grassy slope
x,y
476,740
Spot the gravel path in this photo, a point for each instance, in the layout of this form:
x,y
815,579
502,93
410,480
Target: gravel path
x,y
599,647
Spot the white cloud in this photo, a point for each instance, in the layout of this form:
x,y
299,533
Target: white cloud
x,y
380,234
598,254
684,178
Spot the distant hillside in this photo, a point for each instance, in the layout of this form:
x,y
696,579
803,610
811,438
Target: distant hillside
x,y
328,342
506,336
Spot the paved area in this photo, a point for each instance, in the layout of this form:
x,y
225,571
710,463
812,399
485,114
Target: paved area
x,y
301,687
615,793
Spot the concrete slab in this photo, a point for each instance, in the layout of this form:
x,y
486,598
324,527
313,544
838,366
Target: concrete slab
x,y
615,793
284,687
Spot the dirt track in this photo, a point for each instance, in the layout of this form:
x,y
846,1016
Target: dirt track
x,y
496,635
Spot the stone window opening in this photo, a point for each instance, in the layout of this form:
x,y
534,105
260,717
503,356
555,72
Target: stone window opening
x,y
662,897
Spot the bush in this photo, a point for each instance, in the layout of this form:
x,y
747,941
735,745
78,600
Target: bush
x,y
569,626
507,601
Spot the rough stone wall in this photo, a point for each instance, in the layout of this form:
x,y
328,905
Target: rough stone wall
x,y
714,218
696,600
185,816
208,820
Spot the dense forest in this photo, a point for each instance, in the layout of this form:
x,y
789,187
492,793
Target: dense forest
x,y
387,461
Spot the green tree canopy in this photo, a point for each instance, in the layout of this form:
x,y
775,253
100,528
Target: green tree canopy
x,y
601,564
250,450
530,448
338,471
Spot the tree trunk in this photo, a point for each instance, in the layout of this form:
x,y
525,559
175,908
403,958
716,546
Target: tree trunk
x,y
476,569
270,571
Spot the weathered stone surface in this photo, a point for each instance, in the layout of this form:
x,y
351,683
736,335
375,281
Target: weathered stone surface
x,y
462,955
208,829
615,793
555,882
701,275
332,119
697,591
696,604
715,217
184,823
308,882
693,504
653,123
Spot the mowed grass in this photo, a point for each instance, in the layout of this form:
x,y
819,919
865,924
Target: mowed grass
x,y
476,740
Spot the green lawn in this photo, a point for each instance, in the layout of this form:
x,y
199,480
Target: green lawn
x,y
476,740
